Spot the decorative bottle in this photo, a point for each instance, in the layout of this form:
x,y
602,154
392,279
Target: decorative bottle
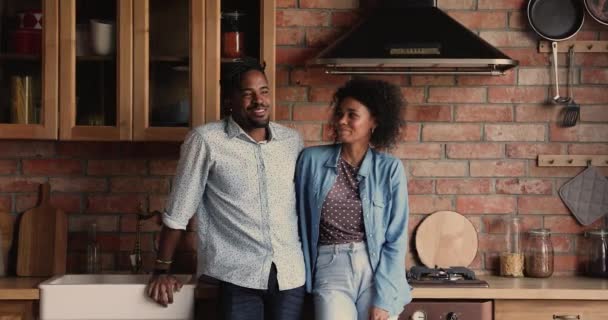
x,y
93,251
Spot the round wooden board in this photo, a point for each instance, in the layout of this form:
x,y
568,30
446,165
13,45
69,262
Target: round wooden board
x,y
446,239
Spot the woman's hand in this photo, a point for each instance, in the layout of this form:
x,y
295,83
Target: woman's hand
x,y
161,288
376,313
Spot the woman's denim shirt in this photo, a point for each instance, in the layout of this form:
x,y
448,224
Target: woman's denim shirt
x,y
383,193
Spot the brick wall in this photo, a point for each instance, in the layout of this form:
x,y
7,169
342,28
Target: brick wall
x,y
469,143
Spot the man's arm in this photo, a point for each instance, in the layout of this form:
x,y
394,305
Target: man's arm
x,y
162,284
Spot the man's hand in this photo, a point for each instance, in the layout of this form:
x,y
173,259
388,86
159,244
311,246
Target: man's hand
x,y
376,313
161,288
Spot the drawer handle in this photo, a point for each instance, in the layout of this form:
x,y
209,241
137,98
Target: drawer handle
x,y
566,317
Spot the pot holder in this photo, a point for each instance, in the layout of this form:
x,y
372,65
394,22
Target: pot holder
x,y
586,195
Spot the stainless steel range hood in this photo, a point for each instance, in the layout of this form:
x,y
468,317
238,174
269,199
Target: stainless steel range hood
x,y
411,37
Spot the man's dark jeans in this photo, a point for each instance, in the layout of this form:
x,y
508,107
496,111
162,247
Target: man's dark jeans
x,y
240,303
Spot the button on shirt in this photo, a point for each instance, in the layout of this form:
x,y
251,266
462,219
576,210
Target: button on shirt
x,y
243,194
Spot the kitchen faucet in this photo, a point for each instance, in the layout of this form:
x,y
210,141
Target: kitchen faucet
x,y
135,257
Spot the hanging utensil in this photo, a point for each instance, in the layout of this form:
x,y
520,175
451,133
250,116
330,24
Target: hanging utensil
x,y
556,20
598,10
572,110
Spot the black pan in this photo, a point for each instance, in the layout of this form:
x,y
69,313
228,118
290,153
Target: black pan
x,y
556,20
598,10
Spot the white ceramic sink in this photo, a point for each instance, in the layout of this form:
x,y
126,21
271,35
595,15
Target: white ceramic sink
x,y
110,296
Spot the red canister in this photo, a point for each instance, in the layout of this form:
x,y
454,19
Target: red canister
x,y
233,37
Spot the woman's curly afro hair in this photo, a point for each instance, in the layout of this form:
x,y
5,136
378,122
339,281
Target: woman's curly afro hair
x,y
384,102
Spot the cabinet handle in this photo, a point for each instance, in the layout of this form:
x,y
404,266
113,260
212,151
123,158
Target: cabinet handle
x,y
566,317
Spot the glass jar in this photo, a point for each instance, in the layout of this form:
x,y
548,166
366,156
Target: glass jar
x,y
539,254
233,37
597,253
512,259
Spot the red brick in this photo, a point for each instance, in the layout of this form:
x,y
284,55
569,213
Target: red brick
x,y
538,113
397,80
309,131
282,112
498,168
328,133
559,133
507,79
344,18
429,204
114,203
329,4
8,167
481,19
463,186
52,167
517,94
588,148
410,132
286,3
420,186
565,263
316,77
496,224
321,94
485,204
163,167
282,76
137,184
474,150
543,76
451,132
594,113
526,57
532,150
321,37
418,151
127,242
592,59
413,95
438,168
541,205
457,4
517,132
594,76
116,167
289,36
427,113
6,203
292,94
484,113
491,242
501,4
311,112
20,184
580,133
507,38
66,202
524,186
457,94
25,201
294,56
26,149
157,202
518,20
562,243
430,80
79,184
568,224
591,95
302,18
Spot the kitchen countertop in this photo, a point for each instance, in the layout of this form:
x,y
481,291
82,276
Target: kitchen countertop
x,y
26,288
553,288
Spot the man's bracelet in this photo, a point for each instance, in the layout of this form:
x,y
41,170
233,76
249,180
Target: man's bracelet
x,y
164,261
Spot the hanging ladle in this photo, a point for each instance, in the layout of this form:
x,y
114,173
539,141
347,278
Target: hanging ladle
x,y
557,98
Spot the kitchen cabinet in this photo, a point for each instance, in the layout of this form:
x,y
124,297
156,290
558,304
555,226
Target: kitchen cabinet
x,y
550,310
129,69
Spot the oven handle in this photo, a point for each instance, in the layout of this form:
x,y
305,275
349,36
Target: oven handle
x,y
566,317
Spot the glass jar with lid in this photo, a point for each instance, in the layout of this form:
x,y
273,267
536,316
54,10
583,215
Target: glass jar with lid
x,y
539,254
597,253
512,259
233,37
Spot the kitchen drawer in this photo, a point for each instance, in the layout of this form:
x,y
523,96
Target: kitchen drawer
x,y
550,310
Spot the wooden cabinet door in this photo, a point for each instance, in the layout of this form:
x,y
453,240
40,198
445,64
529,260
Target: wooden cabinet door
x,y
29,69
96,69
169,83
550,310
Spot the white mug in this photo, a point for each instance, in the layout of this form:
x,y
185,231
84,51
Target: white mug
x,y
102,36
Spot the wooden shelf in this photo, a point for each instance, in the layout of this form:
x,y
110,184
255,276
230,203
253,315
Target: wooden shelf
x,y
168,59
20,57
579,46
96,58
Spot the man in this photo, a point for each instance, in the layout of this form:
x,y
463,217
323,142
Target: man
x,y
237,175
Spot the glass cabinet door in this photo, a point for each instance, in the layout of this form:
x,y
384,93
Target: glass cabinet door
x,y
169,69
96,69
28,69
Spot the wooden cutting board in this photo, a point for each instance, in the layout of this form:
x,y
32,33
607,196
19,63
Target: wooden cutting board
x,y
42,239
446,239
7,224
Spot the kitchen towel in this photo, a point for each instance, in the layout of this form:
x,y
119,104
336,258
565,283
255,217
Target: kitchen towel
x,y
586,195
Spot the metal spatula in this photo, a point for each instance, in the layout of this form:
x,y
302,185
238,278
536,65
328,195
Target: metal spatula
x,y
572,110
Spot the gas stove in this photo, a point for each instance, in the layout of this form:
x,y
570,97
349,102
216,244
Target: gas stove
x,y
420,276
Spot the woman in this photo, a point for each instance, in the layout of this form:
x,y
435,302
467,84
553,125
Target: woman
x,y
353,208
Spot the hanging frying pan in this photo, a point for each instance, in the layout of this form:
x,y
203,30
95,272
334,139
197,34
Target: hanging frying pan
x,y
598,10
556,20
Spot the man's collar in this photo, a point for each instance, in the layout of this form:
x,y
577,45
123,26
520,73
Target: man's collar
x,y
233,129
